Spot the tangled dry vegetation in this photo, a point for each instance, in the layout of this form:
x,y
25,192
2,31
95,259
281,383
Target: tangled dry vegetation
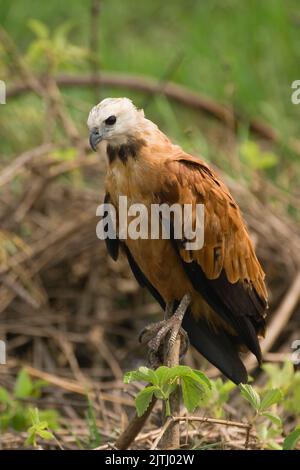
x,y
71,316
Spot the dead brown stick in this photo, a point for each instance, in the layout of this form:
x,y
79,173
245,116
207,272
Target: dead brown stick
x,y
222,422
134,427
175,92
282,314
279,320
19,163
72,386
162,432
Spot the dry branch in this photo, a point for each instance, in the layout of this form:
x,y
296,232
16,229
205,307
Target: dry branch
x,y
175,92
135,426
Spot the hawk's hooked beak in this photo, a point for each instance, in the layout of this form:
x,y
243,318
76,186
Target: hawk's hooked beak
x,y
95,138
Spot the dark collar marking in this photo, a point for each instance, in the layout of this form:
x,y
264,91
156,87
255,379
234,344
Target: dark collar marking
x,y
124,151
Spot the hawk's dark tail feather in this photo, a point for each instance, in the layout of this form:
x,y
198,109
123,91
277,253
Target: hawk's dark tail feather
x,y
218,348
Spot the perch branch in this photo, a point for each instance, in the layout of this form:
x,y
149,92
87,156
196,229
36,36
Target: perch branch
x,y
170,437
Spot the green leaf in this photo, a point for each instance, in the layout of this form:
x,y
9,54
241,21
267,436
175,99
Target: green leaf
x,y
30,441
143,374
271,398
272,417
202,378
4,396
192,393
169,374
34,416
250,395
291,441
23,386
47,435
51,417
256,158
166,374
143,399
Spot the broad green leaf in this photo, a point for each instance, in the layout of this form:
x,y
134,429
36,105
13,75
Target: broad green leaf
x,y
41,425
143,374
250,395
192,393
23,386
202,378
166,374
4,396
44,434
34,416
51,417
30,441
271,398
159,394
272,417
291,441
143,399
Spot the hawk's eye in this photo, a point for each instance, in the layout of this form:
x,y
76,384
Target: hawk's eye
x,y
110,120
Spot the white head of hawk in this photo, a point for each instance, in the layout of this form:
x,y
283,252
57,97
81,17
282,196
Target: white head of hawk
x,y
116,120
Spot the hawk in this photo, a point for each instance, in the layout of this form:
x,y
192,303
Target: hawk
x,y
217,292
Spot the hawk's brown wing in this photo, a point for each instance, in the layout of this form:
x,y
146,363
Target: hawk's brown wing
x,y
225,271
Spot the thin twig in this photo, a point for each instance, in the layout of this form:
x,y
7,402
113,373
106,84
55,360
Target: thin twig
x,y
279,319
19,163
223,422
161,433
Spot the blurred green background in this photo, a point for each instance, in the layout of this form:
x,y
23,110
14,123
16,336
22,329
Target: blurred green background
x,y
243,54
